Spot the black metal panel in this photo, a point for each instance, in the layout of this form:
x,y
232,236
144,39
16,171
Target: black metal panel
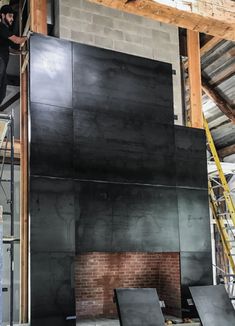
x,y
51,151
122,104
213,305
196,269
50,71
139,307
116,148
194,220
191,161
120,83
52,286
112,217
52,215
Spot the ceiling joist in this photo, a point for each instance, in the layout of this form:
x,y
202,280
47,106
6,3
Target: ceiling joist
x,y
218,100
186,17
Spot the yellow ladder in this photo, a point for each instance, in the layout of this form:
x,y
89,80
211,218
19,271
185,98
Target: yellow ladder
x,y
225,220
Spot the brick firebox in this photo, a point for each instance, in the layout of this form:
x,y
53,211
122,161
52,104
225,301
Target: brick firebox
x,y
97,274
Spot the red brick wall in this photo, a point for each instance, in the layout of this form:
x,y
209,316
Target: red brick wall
x,y
97,274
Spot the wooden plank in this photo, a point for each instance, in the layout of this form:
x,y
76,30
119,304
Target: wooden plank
x,y
209,45
218,100
194,72
12,100
168,14
17,149
226,151
38,15
24,201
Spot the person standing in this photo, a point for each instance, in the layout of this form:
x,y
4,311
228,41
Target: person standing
x,y
6,39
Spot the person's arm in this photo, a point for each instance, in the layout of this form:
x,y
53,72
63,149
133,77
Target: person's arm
x,y
18,39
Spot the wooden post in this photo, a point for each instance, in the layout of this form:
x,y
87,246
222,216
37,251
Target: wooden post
x,y
38,14
24,224
194,71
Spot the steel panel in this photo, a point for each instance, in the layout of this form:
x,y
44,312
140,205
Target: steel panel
x,y
51,150
50,71
52,215
191,161
139,307
118,218
196,269
116,148
52,286
213,305
120,82
194,220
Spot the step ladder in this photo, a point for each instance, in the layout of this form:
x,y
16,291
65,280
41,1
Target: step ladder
x,y
223,211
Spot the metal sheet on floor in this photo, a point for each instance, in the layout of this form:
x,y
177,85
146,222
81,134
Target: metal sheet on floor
x,y
213,305
139,307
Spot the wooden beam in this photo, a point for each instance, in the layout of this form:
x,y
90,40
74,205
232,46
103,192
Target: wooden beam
x,y
38,16
218,100
226,151
24,222
180,17
194,72
12,100
209,45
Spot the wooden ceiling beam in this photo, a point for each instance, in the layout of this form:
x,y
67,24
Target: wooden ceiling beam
x,y
226,151
218,100
168,14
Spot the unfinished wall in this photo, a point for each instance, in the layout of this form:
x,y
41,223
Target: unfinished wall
x,y
107,161
87,23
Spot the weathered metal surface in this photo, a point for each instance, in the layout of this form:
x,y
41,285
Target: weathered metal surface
x,y
190,156
117,131
50,71
139,307
52,215
123,117
213,305
126,218
52,287
51,151
196,269
194,220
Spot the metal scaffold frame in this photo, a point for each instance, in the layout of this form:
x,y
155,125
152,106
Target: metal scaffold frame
x,y
7,186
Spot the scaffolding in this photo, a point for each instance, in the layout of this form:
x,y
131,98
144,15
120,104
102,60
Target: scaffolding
x,y
223,211
7,187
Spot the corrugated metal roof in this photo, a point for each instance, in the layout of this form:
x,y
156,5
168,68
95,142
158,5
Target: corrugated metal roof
x,y
218,67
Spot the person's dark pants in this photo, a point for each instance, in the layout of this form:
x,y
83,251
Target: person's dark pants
x,y
3,79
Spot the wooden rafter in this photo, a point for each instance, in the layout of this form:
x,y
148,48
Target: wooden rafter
x,y
168,14
218,100
226,151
